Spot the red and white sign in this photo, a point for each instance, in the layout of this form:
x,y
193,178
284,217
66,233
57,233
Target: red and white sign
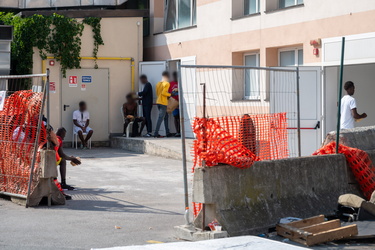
x,y
52,87
73,81
83,87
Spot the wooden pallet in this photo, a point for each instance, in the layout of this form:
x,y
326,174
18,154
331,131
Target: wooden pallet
x,y
315,230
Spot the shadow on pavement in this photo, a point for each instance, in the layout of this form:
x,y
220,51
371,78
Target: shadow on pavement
x,y
101,200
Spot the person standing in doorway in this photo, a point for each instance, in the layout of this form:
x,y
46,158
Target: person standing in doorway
x,y
173,89
162,95
81,121
147,100
349,112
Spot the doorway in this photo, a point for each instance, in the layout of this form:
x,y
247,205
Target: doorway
x,y
91,86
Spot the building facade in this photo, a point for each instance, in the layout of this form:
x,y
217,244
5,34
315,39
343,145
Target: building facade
x,y
223,32
276,33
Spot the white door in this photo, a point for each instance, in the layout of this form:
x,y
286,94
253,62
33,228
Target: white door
x,y
311,110
91,86
284,99
189,85
153,71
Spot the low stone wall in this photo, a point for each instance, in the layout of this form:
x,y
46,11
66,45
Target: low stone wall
x,y
252,200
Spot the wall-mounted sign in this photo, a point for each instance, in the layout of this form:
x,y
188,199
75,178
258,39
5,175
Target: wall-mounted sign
x,y
73,81
83,87
2,99
86,79
52,87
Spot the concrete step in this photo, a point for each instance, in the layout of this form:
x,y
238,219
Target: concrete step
x,y
164,147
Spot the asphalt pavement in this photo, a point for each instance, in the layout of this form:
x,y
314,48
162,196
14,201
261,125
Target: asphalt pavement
x,y
121,199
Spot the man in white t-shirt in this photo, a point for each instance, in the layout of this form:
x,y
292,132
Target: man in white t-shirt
x,y
349,108
81,121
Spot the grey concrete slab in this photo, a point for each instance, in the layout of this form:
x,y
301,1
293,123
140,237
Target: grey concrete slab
x,y
235,243
140,194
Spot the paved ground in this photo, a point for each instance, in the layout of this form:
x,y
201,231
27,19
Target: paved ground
x,y
141,194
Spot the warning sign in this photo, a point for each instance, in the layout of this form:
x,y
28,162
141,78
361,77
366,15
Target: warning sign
x,y
73,81
52,87
2,99
83,87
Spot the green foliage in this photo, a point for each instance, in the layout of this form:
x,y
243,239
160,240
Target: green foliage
x,y
64,42
54,35
94,22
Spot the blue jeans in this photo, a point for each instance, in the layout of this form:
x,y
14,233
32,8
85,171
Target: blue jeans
x,y
163,115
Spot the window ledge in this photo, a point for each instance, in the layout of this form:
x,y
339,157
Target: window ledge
x,y
170,31
245,16
286,8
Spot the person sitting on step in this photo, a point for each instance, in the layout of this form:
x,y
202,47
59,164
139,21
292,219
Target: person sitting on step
x,y
130,110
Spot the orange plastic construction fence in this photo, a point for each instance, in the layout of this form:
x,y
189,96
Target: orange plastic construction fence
x,y
18,130
360,164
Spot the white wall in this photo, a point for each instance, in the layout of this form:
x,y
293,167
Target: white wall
x,y
363,76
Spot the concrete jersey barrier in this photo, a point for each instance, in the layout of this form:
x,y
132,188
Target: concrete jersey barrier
x,y
252,200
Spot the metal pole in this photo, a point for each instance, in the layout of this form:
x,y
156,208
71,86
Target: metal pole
x,y
204,150
183,142
298,114
36,143
48,108
340,94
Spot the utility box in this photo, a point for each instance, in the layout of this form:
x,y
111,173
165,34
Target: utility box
x,y
6,38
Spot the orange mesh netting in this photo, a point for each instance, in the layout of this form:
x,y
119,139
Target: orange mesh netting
x,y
360,164
18,130
240,140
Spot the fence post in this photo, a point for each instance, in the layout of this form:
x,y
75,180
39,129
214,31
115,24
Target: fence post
x,y
204,150
48,107
298,114
183,142
36,143
339,97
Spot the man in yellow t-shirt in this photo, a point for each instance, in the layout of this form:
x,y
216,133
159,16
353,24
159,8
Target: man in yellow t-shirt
x,y
162,96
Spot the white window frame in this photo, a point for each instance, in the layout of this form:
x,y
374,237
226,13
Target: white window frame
x,y
193,4
295,49
255,98
257,8
295,3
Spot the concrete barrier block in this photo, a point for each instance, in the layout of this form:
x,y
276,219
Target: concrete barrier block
x,y
251,200
362,138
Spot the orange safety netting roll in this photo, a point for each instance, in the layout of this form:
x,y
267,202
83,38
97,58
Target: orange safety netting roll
x,y
240,140
359,162
18,130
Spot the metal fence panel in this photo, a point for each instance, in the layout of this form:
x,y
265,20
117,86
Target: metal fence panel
x,y
20,133
229,94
